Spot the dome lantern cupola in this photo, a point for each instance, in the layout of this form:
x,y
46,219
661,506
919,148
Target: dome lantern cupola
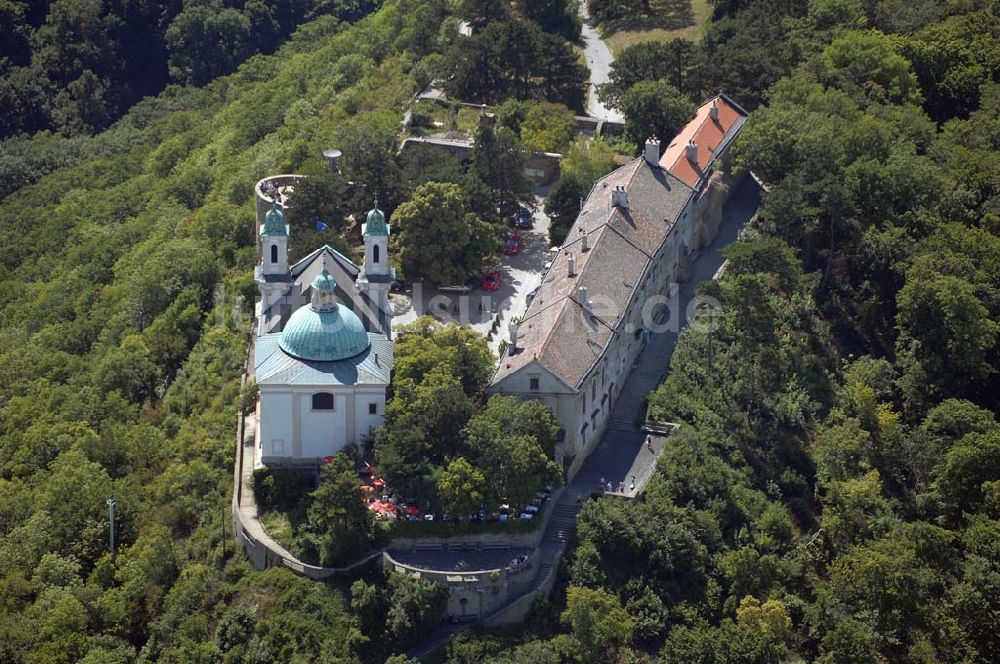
x,y
324,296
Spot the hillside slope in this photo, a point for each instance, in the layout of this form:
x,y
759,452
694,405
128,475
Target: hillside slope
x,y
121,357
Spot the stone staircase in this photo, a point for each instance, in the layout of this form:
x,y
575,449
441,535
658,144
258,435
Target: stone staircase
x,y
621,425
543,571
561,523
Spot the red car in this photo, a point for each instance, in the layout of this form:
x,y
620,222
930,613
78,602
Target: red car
x,y
513,244
491,282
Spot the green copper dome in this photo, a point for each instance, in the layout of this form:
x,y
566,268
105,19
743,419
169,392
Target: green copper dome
x,y
274,222
324,331
375,222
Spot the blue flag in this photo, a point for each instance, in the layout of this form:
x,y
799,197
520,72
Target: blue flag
x,y
320,226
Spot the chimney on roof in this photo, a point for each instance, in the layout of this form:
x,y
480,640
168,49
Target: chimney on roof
x,y
652,152
713,112
513,334
691,150
619,197
571,262
584,245
581,295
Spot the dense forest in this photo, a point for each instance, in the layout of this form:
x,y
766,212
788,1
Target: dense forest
x,y
833,493
76,65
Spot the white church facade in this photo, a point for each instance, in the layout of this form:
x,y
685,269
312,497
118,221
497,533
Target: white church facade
x,y
322,351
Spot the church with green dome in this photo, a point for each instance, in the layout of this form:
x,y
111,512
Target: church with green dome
x,y
322,350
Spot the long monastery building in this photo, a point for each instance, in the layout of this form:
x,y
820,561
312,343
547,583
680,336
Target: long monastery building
x,y
615,274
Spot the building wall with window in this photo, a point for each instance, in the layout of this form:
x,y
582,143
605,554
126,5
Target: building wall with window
x,y
296,424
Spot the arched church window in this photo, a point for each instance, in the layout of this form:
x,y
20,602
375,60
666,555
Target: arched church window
x,y
375,253
274,253
322,401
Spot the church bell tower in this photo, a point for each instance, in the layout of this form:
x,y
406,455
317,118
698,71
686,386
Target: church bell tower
x,y
376,275
272,275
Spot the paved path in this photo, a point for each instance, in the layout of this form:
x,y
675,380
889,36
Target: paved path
x,y
599,60
623,441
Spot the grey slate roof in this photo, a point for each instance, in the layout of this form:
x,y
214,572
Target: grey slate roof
x,y
273,366
555,330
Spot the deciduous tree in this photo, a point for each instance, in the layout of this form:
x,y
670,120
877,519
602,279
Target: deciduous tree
x,y
600,626
654,109
437,238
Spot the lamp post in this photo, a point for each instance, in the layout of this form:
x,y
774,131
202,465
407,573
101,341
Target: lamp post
x,y
111,523
705,309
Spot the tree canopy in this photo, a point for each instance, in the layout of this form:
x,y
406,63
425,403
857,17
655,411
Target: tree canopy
x,y
437,238
445,450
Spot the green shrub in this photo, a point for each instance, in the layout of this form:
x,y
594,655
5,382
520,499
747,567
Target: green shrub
x,y
279,488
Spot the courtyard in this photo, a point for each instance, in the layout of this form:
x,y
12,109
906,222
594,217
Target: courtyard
x,y
520,274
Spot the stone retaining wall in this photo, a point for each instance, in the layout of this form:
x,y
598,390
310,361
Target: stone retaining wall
x,y
515,612
264,552
475,593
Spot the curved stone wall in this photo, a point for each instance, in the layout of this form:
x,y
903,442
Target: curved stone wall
x,y
263,202
479,593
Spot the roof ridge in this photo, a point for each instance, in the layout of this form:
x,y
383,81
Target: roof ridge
x,y
544,308
590,194
625,237
634,172
610,173
312,255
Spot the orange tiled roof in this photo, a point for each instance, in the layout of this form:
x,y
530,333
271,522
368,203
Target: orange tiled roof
x,y
707,134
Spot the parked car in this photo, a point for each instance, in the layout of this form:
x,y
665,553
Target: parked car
x,y
531,509
527,515
491,282
524,218
461,288
512,246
